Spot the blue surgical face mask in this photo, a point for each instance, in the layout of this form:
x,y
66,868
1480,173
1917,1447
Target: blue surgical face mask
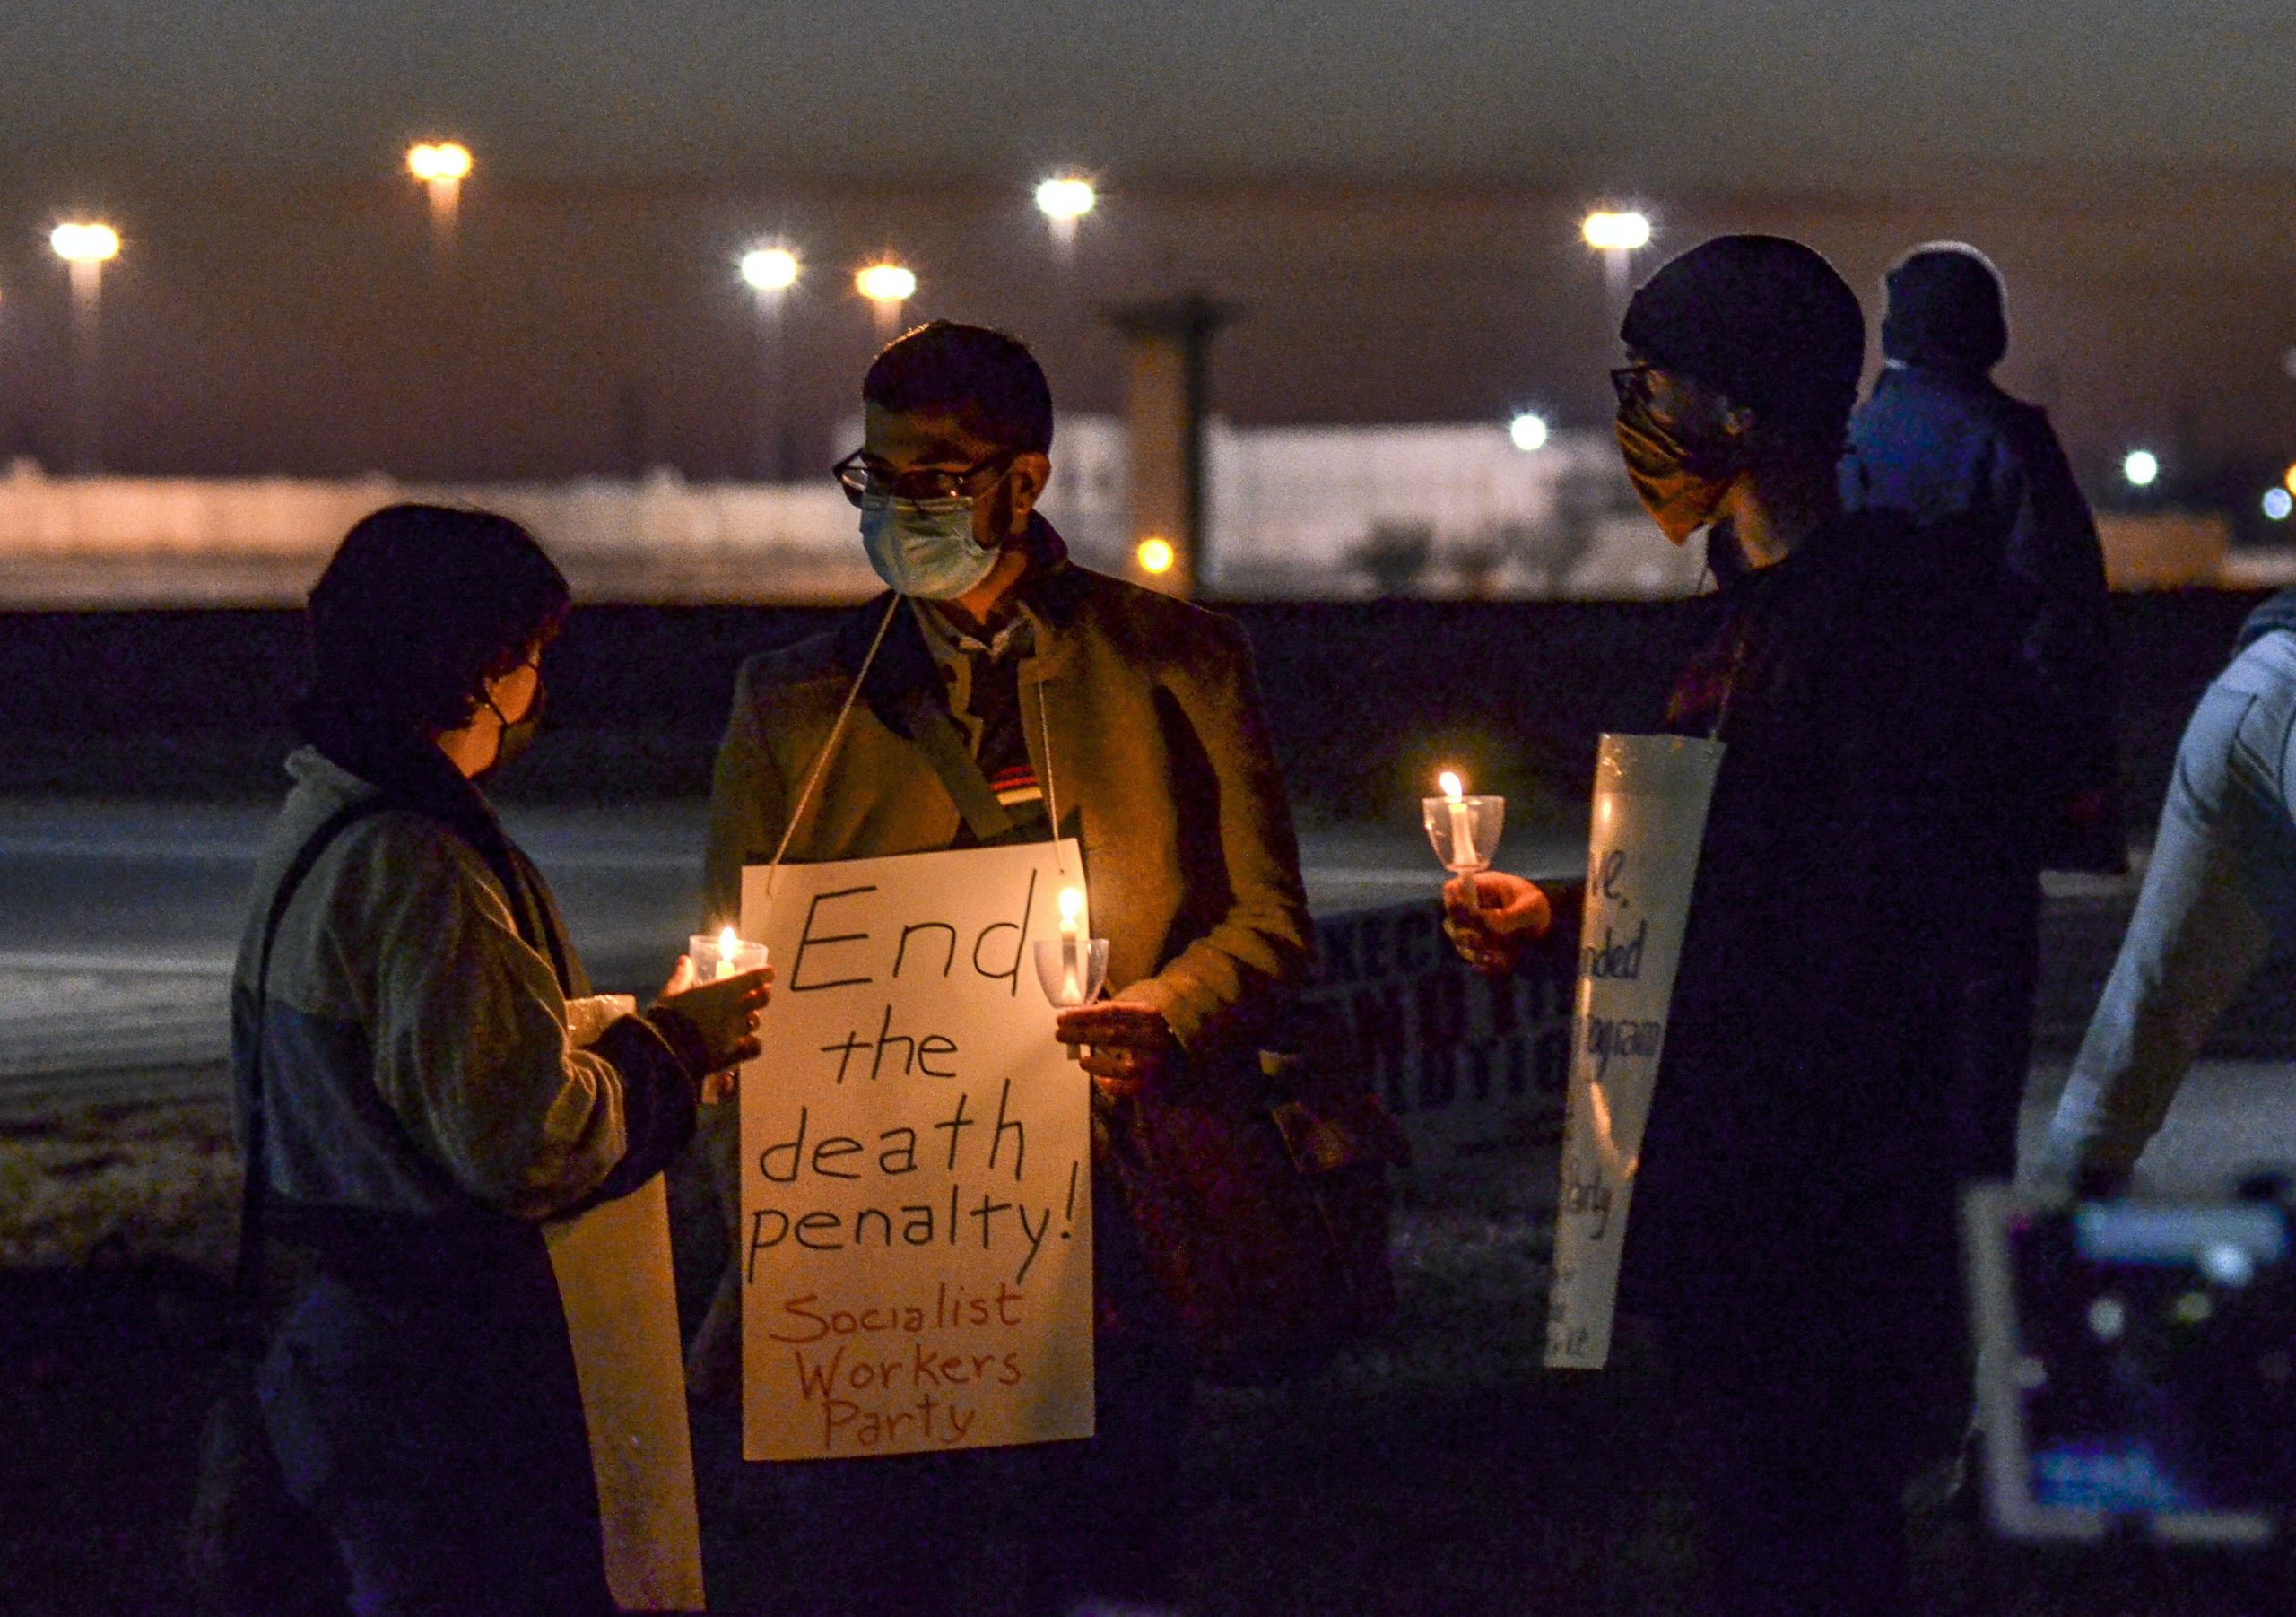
x,y
924,548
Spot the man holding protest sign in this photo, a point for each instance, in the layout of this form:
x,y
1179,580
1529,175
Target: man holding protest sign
x,y
1002,699
1792,1229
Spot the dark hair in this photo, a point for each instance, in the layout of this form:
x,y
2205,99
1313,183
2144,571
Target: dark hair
x,y
988,379
1768,321
421,607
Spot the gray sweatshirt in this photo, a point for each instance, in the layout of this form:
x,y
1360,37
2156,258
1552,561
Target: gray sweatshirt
x,y
417,1057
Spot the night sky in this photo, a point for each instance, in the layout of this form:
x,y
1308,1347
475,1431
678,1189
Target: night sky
x,y
1392,190
1741,92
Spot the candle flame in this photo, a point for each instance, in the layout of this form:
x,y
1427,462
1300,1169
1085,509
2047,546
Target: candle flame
x,y
728,941
1072,904
1453,789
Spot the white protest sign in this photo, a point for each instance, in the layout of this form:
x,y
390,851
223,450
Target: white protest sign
x,y
917,1195
1651,794
613,1267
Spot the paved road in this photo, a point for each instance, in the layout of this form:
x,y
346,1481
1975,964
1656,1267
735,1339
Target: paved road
x,y
118,922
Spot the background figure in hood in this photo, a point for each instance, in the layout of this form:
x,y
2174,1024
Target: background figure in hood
x,y
1939,443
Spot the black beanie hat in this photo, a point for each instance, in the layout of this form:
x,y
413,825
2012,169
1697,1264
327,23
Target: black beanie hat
x,y
1945,310
1767,320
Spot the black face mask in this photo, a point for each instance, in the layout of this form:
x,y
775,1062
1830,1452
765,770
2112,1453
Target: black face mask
x,y
1681,484
517,735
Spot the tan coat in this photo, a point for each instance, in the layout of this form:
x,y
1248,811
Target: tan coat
x,y
1142,719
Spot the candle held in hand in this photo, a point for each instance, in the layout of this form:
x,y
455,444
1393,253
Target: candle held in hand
x,y
719,955
1463,830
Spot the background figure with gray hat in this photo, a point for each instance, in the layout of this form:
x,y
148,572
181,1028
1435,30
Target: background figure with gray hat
x,y
1939,442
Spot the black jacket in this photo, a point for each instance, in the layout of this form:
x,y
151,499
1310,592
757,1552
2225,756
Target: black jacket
x,y
1941,446
1871,805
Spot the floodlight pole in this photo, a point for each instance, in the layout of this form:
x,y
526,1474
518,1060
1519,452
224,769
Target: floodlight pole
x,y
1168,398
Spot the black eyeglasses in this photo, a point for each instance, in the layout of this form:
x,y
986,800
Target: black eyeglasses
x,y
1632,383
864,486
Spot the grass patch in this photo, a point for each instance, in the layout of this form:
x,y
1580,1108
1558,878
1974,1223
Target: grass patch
x,y
117,1184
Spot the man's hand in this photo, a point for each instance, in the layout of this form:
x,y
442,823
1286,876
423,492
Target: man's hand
x,y
1132,1046
1505,913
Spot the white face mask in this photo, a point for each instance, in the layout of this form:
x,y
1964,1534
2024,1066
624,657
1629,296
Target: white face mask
x,y
924,548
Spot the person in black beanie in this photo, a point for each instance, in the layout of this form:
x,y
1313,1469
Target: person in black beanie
x,y
1792,1236
1938,441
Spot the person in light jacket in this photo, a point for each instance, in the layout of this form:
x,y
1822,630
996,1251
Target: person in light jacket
x,y
423,1082
2219,896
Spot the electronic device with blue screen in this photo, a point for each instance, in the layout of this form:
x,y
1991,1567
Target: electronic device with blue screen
x,y
2134,1367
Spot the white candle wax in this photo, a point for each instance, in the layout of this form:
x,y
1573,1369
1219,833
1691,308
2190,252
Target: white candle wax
x,y
1462,856
1072,948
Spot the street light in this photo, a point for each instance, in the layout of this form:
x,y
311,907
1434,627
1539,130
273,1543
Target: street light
x,y
447,161
441,166
83,243
1623,232
1528,431
1617,235
2141,467
888,285
1062,200
770,272
2278,504
1155,555
86,246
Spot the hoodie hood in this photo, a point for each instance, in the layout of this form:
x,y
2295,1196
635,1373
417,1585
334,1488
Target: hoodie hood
x,y
2278,612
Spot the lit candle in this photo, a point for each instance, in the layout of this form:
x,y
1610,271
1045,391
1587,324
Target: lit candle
x,y
728,944
1463,855
1072,945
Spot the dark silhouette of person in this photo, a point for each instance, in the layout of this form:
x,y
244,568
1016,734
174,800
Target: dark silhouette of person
x,y
1792,1232
1937,441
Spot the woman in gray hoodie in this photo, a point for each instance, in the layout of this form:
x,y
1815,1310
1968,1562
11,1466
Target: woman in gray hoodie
x,y
424,1080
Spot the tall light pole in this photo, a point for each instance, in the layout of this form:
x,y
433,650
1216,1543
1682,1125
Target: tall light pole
x,y
1168,398
888,285
770,273
1063,200
86,246
1617,237
441,166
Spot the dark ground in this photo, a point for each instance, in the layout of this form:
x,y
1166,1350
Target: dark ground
x,y
1443,1473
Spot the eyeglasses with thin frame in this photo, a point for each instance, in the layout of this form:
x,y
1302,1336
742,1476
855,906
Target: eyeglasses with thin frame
x,y
933,486
1632,383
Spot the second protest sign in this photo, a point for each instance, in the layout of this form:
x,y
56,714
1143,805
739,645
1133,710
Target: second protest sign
x,y
1651,796
917,1163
